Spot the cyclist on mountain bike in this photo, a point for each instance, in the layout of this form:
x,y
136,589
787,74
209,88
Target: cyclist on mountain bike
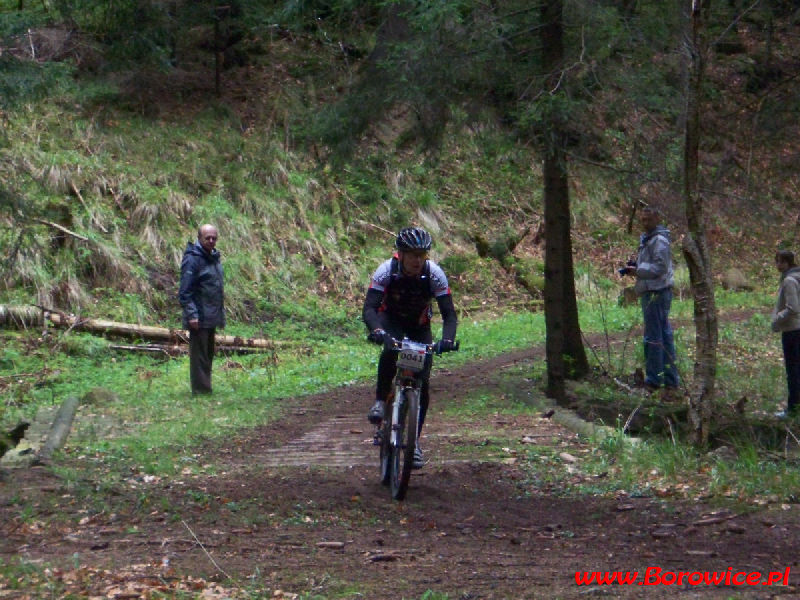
x,y
398,304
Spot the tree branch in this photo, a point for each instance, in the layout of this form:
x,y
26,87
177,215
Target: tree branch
x,y
62,229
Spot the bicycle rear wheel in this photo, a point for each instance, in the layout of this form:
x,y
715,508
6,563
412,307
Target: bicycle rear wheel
x,y
402,454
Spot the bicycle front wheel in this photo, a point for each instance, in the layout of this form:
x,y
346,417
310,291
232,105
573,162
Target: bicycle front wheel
x,y
402,453
386,451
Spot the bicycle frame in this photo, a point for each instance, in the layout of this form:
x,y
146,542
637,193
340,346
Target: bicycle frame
x,y
398,435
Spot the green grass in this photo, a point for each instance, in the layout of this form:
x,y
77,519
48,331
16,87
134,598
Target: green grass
x,y
154,410
154,418
17,574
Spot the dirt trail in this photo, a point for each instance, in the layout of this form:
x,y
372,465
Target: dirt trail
x,y
298,503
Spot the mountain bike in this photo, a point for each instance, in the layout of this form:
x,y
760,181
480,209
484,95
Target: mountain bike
x,y
397,435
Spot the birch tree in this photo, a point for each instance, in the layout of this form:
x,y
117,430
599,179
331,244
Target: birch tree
x,y
695,244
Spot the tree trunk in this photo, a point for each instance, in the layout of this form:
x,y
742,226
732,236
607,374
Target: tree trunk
x,y
553,282
566,357
695,246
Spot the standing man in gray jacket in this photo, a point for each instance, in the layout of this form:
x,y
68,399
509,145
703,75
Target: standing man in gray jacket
x,y
786,320
654,280
202,297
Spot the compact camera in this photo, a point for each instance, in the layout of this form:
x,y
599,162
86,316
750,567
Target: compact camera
x,y
624,270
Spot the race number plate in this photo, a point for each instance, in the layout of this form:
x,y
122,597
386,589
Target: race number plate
x,y
412,356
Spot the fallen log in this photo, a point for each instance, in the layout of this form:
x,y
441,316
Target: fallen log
x,y
32,316
114,328
21,317
59,430
167,350
180,350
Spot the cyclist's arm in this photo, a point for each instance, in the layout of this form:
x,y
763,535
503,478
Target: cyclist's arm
x,y
440,289
449,317
372,303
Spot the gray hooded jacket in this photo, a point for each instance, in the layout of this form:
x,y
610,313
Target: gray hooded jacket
x,y
654,261
786,316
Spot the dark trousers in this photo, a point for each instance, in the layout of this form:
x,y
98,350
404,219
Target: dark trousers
x,y
387,364
201,355
791,360
659,346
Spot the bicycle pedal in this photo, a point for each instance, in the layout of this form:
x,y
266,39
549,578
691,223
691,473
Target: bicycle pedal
x,y
377,439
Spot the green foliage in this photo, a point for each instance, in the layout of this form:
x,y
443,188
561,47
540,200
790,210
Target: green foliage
x,y
15,23
8,359
457,264
655,27
424,61
307,14
659,467
148,42
431,595
83,345
25,81
161,30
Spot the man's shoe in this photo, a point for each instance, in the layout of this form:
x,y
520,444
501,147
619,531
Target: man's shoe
x,y
375,414
419,459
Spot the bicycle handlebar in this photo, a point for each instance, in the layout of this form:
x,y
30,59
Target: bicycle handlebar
x,y
438,350
389,343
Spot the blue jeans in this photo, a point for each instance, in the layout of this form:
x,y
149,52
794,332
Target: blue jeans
x,y
659,346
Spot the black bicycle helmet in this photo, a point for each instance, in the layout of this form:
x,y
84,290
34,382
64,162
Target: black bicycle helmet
x,y
413,238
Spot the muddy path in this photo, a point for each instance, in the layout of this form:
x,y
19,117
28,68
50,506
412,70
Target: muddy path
x,y
297,506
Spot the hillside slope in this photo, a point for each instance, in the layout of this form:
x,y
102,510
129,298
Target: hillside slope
x,y
105,178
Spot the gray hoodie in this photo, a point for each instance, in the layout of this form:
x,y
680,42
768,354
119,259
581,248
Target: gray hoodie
x,y
786,316
654,261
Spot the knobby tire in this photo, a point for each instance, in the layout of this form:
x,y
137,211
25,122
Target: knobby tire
x,y
386,451
402,456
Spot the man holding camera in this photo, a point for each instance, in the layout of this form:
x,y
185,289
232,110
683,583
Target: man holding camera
x,y
654,280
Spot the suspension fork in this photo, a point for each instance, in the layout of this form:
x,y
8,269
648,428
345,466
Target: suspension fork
x,y
399,399
402,400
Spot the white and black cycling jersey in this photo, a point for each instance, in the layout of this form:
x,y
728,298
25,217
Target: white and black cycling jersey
x,y
409,298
